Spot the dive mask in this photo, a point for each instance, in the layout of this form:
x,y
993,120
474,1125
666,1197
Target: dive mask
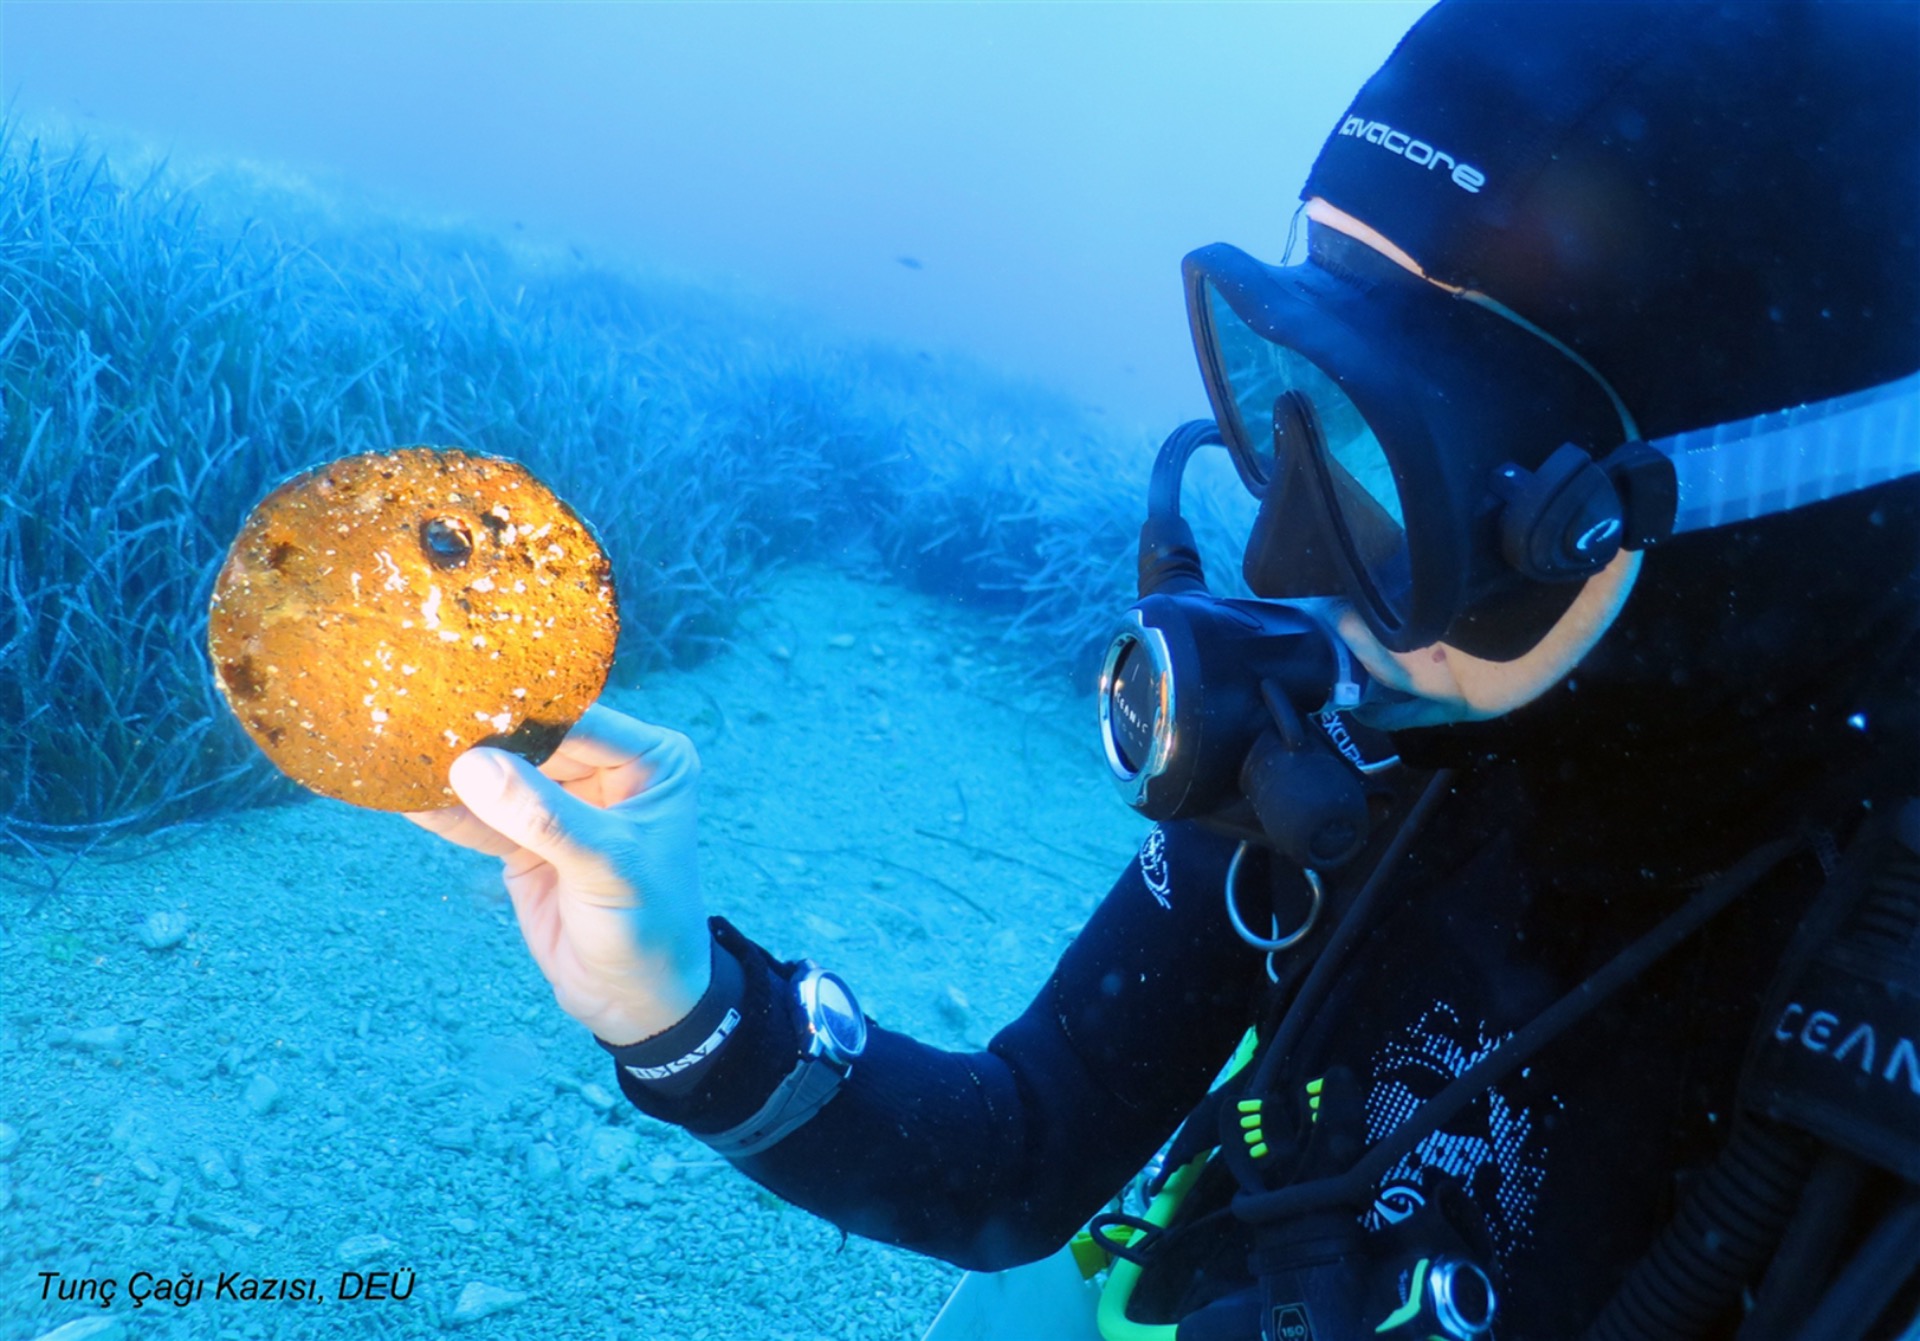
x,y
1454,472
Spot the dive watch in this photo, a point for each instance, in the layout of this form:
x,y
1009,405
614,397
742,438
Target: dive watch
x,y
836,1034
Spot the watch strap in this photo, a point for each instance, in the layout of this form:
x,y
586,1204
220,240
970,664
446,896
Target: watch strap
x,y
803,1093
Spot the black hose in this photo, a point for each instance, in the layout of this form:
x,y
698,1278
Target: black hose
x,y
1163,488
1355,1186
1169,559
1868,1284
1812,1241
1346,935
1726,1228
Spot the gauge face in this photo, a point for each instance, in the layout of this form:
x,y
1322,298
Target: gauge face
x,y
836,1013
1463,1298
1133,706
380,615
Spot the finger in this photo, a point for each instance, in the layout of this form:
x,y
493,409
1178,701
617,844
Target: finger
x,y
536,909
514,799
604,738
461,826
620,757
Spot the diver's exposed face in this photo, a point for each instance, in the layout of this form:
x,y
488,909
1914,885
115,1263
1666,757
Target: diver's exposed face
x,y
1447,685
1441,683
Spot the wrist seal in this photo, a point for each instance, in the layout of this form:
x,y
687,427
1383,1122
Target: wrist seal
x,y
673,1062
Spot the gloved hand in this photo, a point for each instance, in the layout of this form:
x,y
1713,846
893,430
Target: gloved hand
x,y
601,863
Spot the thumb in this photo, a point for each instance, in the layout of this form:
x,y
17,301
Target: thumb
x,y
518,801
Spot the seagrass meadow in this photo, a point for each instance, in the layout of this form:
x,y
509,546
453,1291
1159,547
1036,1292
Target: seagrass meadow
x,y
171,345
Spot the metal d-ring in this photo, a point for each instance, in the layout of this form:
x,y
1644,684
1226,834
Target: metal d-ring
x,y
1277,941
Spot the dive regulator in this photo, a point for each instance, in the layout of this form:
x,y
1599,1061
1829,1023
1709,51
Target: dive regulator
x,y
1236,712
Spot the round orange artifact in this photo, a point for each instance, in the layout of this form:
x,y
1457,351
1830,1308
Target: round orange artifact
x,y
380,615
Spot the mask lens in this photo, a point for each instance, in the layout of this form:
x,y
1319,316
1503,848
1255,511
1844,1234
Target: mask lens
x,y
1353,470
1288,414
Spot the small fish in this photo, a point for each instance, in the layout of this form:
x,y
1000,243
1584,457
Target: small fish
x,y
910,262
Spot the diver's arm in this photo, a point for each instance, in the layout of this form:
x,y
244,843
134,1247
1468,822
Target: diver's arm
x,y
992,1158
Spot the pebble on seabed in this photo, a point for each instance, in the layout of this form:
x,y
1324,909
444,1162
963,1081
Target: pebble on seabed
x,y
479,1299
262,1093
163,929
363,1247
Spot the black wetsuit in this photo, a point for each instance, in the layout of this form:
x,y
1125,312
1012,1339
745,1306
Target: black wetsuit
x,y
1528,877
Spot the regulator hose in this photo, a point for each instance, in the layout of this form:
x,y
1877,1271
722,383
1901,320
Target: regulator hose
x,y
1726,1229
1808,1248
1883,1265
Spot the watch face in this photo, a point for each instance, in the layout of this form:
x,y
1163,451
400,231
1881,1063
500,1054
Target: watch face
x,y
835,1013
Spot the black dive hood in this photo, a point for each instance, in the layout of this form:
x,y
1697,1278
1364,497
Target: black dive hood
x,y
1715,206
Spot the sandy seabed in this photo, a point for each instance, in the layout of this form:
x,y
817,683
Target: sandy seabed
x,y
348,1064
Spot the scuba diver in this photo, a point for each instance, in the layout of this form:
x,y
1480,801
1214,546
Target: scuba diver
x,y
1529,941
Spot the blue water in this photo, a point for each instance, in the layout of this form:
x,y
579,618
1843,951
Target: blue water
x,y
1043,167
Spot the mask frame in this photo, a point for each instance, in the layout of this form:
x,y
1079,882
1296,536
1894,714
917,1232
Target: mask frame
x,y
1453,393
1519,469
